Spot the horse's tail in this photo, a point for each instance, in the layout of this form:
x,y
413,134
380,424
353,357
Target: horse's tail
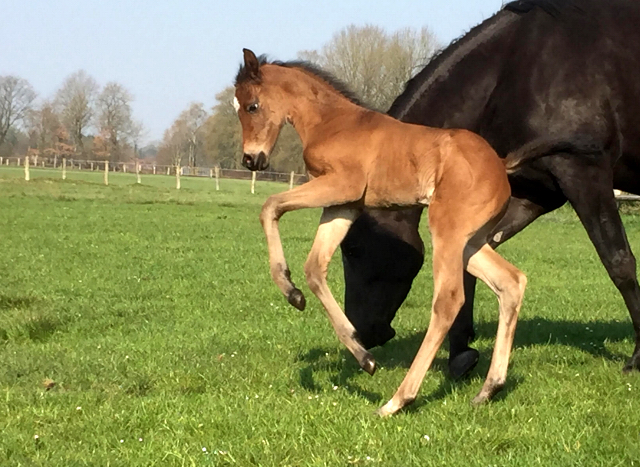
x,y
542,148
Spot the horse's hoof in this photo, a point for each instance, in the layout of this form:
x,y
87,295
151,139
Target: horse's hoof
x,y
463,363
296,298
368,364
632,364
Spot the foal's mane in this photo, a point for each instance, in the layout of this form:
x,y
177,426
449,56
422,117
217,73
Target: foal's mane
x,y
244,75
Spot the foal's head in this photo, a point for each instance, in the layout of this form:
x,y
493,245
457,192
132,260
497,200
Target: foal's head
x,y
260,108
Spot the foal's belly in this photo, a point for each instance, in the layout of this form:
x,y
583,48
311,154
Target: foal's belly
x,y
398,195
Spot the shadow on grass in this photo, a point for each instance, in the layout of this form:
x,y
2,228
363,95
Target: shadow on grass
x,y
10,303
37,326
400,352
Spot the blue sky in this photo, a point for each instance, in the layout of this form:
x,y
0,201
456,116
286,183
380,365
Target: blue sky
x,y
169,53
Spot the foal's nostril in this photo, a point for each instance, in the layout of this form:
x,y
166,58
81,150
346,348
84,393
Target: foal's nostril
x,y
247,160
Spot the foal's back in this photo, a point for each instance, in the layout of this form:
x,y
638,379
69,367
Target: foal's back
x,y
407,165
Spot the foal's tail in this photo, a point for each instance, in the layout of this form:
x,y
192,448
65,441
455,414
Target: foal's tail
x,y
542,148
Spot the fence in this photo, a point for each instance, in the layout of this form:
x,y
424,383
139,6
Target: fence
x,y
144,168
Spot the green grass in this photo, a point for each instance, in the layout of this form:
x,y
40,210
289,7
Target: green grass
x,y
153,312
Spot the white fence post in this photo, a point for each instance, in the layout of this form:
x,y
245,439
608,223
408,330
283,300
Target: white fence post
x,y
253,182
217,171
106,173
178,177
291,180
154,170
138,171
26,168
64,168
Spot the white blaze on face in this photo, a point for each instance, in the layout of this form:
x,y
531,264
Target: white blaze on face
x,y
236,104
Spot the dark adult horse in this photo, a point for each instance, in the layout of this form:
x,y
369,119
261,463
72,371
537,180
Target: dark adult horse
x,y
538,69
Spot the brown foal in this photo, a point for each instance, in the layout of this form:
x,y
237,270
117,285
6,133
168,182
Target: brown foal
x,y
358,157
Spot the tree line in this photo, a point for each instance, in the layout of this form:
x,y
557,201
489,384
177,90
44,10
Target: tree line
x,y
81,120
87,122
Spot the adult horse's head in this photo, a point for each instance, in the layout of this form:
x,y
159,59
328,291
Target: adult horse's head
x,y
257,102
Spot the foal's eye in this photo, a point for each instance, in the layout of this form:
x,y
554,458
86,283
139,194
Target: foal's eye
x,y
252,108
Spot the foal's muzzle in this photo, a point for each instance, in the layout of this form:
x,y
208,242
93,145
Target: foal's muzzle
x,y
254,163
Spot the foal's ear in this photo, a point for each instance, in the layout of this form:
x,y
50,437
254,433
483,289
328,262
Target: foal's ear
x,y
251,63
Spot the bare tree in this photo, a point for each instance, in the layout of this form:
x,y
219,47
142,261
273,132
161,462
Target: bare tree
x,y
75,101
175,144
114,118
193,119
101,147
222,132
16,99
43,124
61,146
136,134
374,64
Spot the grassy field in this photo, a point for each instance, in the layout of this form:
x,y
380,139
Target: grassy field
x,y
151,316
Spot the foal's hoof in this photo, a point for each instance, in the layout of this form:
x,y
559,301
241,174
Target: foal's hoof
x,y
480,399
386,410
368,364
462,364
296,298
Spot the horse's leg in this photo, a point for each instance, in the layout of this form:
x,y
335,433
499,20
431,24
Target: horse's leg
x,y
448,296
319,192
508,283
520,213
334,225
589,188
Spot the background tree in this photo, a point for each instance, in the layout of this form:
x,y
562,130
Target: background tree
x,y
75,102
223,133
194,119
114,118
374,64
101,147
42,124
137,134
62,146
174,144
16,99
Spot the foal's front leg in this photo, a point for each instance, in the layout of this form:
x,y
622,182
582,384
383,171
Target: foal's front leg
x,y
318,193
334,225
333,194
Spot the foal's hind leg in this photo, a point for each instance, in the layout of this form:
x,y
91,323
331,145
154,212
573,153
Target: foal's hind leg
x,y
334,225
508,283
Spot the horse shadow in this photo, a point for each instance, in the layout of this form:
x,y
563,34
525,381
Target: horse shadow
x,y
588,337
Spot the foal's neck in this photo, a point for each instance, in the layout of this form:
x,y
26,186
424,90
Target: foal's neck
x,y
314,104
